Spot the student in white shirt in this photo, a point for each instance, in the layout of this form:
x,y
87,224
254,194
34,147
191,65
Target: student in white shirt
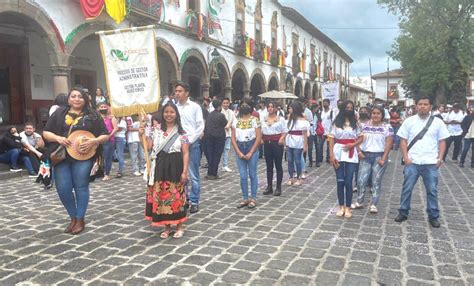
x,y
230,116
453,120
423,159
135,148
373,156
327,118
193,123
344,137
296,141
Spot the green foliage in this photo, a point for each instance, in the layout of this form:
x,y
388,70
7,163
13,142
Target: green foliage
x,y
435,46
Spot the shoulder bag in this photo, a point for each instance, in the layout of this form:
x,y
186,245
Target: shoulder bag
x,y
59,154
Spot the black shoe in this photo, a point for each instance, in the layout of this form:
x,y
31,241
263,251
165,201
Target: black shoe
x,y
194,209
401,218
434,222
310,164
268,191
277,191
318,164
461,165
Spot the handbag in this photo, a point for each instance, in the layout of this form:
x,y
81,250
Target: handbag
x,y
419,136
59,154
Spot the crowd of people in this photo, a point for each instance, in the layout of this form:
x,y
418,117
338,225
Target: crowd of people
x,y
358,143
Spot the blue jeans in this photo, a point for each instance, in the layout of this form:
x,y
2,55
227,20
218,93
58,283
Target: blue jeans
x,y
120,146
73,175
468,143
295,156
396,139
344,177
248,168
137,155
108,148
321,141
194,161
311,141
370,168
429,174
11,157
225,155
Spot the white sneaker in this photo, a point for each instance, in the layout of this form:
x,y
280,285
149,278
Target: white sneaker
x,y
356,206
227,169
303,176
373,209
137,173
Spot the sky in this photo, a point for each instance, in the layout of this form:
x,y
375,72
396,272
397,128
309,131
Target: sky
x,y
362,28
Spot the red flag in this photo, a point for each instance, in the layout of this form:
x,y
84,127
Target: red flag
x,y
92,8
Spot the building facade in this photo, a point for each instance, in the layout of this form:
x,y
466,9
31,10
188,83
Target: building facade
x,y
359,95
388,87
221,48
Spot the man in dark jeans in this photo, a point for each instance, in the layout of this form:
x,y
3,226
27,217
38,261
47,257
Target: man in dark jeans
x,y
453,121
214,136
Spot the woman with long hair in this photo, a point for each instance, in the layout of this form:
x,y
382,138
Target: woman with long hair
x,y
246,137
344,137
296,141
373,155
108,147
274,132
71,175
167,178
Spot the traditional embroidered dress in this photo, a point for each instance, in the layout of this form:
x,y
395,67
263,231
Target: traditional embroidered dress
x,y
166,196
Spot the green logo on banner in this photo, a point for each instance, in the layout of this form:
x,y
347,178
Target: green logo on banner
x,y
118,55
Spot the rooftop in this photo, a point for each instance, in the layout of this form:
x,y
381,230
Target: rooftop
x,y
391,74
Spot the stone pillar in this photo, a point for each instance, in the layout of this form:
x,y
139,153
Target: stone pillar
x,y
205,90
246,93
60,79
228,91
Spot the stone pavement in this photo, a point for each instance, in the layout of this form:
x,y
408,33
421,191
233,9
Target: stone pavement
x,y
294,239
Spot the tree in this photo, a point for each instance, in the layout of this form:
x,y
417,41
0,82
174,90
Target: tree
x,y
435,46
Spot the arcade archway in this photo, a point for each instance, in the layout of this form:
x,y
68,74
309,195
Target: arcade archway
x,y
307,90
299,88
194,72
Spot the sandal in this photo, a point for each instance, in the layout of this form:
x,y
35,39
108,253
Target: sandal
x,y
106,178
119,175
178,234
348,212
298,182
165,234
252,204
242,204
340,212
290,182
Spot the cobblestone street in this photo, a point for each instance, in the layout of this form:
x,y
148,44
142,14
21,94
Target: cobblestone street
x,y
294,239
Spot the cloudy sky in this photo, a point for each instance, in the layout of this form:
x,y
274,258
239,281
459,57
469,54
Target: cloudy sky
x,y
361,27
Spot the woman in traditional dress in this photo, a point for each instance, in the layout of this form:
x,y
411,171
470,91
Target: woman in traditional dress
x,y
166,195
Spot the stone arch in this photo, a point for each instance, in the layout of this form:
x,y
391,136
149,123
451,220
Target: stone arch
x,y
315,92
194,53
240,82
171,65
273,83
194,71
240,66
257,84
220,80
299,87
89,30
33,12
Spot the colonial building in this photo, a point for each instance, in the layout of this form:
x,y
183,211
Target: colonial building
x,y
388,87
359,95
223,48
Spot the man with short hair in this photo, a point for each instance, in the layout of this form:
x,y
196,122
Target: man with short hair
x,y
34,145
193,123
230,117
453,120
423,159
327,117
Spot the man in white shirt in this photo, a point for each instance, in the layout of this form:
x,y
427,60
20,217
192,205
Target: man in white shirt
x,y
327,117
230,116
453,120
193,123
423,159
168,98
34,145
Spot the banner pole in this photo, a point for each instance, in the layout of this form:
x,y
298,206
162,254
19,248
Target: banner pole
x,y
143,116
142,28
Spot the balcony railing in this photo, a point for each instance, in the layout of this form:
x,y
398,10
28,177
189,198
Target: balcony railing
x,y
150,8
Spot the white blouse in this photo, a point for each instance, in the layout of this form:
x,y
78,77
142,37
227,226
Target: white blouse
x,y
245,129
344,133
274,127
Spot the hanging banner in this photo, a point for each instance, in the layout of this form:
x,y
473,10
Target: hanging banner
x,y
131,70
330,90
91,8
